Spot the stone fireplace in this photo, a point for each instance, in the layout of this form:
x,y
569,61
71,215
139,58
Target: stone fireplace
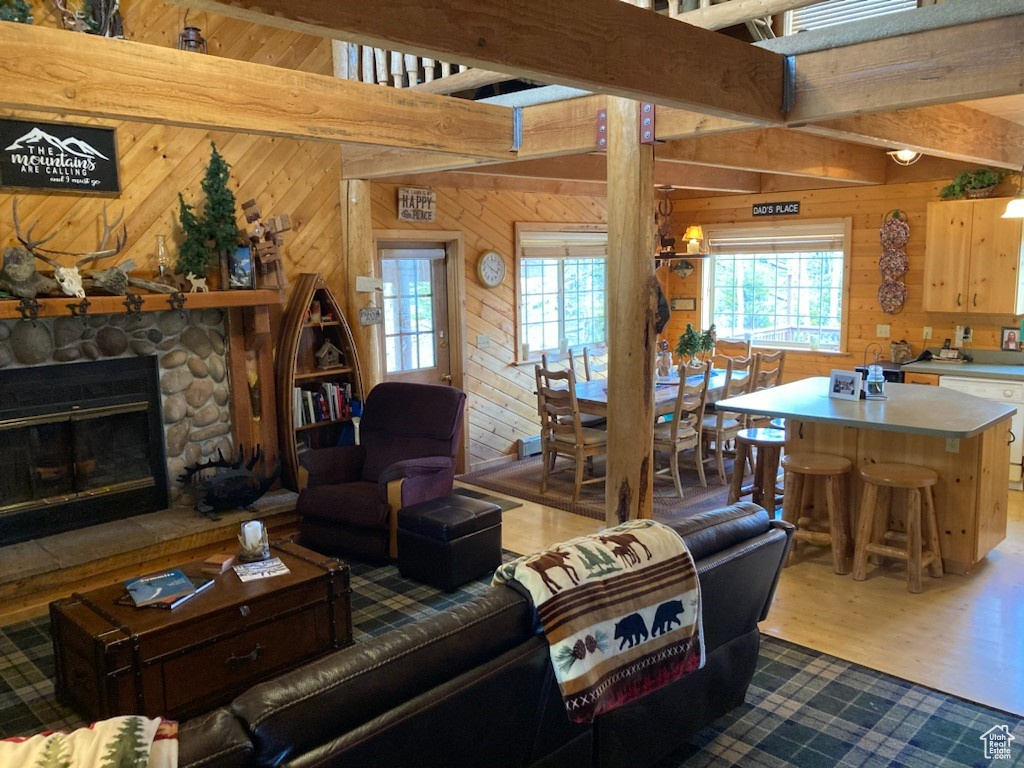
x,y
90,415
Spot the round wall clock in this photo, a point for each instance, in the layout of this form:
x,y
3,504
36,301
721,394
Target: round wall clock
x,y
491,269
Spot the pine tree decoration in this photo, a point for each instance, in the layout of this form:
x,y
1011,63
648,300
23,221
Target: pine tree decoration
x,y
15,10
193,255
54,753
219,211
127,750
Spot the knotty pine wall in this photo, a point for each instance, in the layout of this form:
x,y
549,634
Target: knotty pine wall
x,y
502,404
866,206
299,178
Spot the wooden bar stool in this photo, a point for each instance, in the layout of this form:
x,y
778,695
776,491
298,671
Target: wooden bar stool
x,y
873,531
801,471
769,443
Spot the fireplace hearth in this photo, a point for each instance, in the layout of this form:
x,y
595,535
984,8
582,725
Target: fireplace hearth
x,y
79,445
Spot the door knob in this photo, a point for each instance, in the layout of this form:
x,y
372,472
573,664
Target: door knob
x,y
447,377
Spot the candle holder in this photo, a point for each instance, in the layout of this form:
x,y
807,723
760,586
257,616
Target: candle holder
x,y
253,543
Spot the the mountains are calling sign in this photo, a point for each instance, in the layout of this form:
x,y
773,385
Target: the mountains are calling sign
x,y
35,155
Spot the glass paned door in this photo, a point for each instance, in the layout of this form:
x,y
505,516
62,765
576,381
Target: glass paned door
x,y
415,315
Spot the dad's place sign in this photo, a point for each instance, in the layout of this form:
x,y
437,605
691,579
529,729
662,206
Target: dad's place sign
x,y
777,209
36,155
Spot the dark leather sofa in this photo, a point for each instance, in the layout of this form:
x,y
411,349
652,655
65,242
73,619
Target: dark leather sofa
x,y
474,686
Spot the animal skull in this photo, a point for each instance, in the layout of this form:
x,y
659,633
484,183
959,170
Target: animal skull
x,y
70,281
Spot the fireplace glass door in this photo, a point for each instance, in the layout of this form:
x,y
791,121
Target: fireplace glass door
x,y
60,457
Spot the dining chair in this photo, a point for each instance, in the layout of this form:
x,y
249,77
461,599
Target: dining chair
x,y
568,361
684,431
561,430
723,426
732,347
767,373
595,362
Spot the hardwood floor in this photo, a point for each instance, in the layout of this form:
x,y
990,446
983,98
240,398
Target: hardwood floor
x,y
963,635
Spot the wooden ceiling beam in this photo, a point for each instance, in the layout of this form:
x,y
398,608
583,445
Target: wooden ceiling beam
x,y
950,131
361,162
570,127
939,66
593,168
604,46
469,80
739,11
51,71
777,150
503,183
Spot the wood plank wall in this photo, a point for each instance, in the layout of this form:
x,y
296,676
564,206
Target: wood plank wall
x,y
157,161
502,405
867,206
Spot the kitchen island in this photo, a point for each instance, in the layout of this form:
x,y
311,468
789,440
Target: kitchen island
x,y
964,439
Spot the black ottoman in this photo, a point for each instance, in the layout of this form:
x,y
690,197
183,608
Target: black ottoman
x,y
448,541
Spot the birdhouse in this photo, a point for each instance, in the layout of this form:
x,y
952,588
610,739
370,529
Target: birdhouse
x,y
329,356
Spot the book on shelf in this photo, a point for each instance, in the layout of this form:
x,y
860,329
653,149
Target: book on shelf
x,y
326,401
166,589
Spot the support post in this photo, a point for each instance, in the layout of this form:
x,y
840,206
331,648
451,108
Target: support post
x,y
631,297
360,259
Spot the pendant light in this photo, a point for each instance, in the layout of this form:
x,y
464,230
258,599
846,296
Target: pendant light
x,y
1015,208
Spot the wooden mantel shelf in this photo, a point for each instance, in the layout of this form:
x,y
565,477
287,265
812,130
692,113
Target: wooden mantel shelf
x,y
151,302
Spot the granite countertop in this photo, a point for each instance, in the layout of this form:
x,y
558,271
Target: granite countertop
x,y
977,370
910,408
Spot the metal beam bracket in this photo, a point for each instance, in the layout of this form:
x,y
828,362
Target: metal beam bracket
x,y
601,128
517,129
788,84
647,127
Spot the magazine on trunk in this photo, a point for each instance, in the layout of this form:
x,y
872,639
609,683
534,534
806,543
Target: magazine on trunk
x,y
167,589
261,569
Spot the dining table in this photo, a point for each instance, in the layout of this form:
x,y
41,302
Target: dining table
x,y
592,395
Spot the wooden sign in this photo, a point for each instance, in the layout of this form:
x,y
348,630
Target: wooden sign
x,y
684,305
777,209
417,204
35,155
371,316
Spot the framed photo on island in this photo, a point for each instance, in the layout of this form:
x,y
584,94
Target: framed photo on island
x,y
240,274
1009,340
844,385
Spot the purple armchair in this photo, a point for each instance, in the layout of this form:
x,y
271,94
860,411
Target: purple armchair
x,y
409,437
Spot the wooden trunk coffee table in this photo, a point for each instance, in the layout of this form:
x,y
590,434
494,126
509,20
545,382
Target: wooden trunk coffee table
x,y
116,660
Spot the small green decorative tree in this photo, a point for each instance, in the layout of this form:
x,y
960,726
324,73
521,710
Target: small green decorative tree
x,y
193,255
15,10
694,345
689,344
219,210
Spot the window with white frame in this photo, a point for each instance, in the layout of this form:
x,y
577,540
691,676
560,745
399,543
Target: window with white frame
x,y
832,12
561,302
779,285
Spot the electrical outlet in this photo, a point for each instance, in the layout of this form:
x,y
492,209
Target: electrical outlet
x,y
483,341
968,334
958,336
927,333
882,331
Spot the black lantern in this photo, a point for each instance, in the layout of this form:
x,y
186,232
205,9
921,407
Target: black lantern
x,y
191,39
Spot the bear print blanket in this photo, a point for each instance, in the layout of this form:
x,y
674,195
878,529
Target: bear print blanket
x,y
621,612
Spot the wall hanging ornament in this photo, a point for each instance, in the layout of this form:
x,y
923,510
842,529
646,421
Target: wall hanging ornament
x,y
893,263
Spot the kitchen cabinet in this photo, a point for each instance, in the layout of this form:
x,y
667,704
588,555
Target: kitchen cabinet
x,y
972,259
929,379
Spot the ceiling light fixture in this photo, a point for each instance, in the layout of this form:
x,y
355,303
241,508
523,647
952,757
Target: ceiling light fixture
x,y
1015,208
904,156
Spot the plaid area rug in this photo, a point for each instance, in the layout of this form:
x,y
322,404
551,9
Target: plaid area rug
x,y
522,479
804,709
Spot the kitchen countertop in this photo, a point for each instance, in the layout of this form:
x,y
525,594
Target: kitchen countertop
x,y
976,370
909,408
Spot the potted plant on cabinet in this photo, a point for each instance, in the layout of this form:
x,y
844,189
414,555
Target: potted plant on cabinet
x,y
981,182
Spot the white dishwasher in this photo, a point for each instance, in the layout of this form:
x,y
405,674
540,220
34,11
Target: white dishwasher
x,y
1002,391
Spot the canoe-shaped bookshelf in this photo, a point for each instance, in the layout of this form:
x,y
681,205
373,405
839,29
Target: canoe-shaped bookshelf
x,y
318,374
